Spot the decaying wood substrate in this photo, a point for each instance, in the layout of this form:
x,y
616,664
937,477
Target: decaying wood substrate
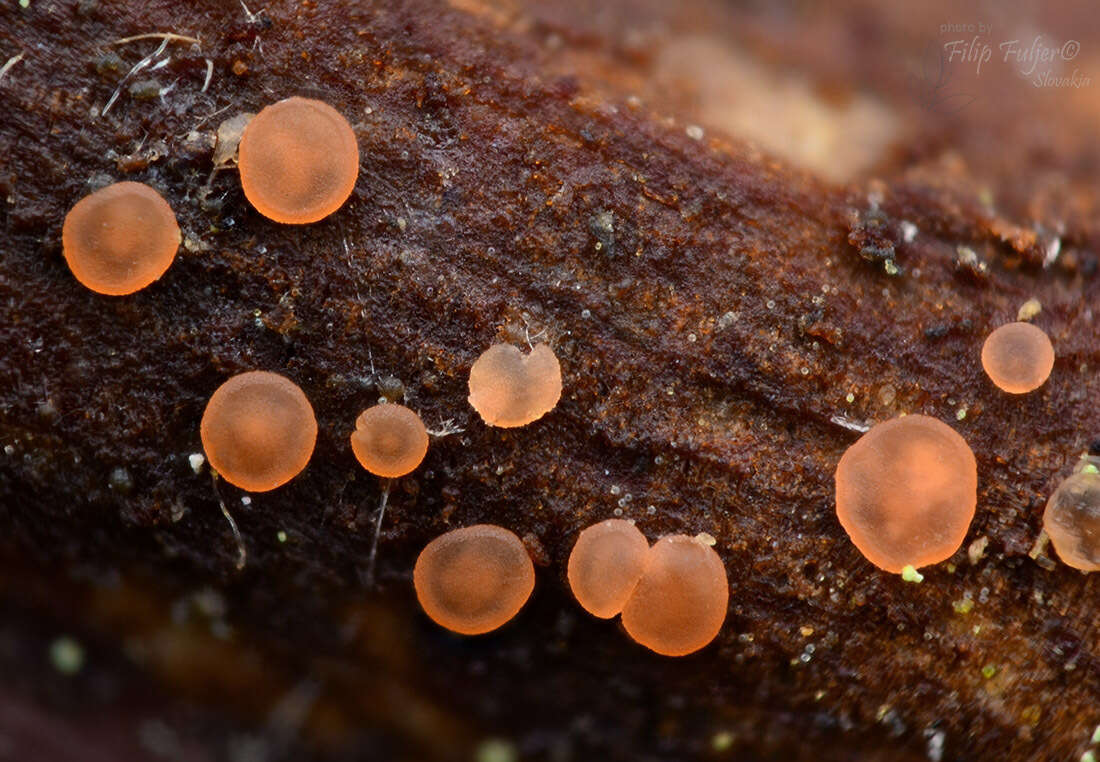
x,y
728,314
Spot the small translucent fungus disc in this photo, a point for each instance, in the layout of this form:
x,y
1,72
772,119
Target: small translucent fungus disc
x,y
298,160
258,430
508,388
605,565
120,239
473,580
1072,519
906,492
1018,357
681,599
389,440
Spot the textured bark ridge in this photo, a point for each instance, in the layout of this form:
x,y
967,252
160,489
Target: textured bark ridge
x,y
747,233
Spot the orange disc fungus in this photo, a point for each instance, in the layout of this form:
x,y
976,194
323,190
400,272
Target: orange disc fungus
x,y
1072,518
298,161
1018,357
906,492
605,565
680,601
120,239
258,430
473,580
389,440
510,389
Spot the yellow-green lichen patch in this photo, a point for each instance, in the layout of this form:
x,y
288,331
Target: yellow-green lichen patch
x,y
910,574
964,606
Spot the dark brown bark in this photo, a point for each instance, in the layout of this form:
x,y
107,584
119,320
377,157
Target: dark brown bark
x,y
723,320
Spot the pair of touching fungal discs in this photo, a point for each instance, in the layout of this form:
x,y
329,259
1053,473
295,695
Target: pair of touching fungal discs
x,y
475,579
1018,357
906,492
389,440
1072,517
120,239
258,430
298,161
509,389
673,596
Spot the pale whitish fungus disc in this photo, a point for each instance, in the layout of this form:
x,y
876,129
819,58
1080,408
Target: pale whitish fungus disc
x,y
680,602
508,388
258,430
473,580
906,492
605,565
298,160
1072,519
389,440
1018,357
120,239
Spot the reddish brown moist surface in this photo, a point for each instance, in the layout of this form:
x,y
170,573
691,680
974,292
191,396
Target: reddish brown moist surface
x,y
485,174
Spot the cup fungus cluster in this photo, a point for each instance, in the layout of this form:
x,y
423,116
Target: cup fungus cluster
x,y
120,239
906,492
475,579
1072,517
1018,357
672,596
509,389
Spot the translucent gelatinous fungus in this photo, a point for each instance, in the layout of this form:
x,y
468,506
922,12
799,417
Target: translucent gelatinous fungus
x,y
508,388
389,440
680,602
605,565
1018,357
473,580
258,430
906,492
298,160
120,239
1072,517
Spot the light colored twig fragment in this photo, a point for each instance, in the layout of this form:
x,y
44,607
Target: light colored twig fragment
x,y
10,63
242,553
209,75
252,18
849,424
208,117
136,68
166,36
446,429
373,555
